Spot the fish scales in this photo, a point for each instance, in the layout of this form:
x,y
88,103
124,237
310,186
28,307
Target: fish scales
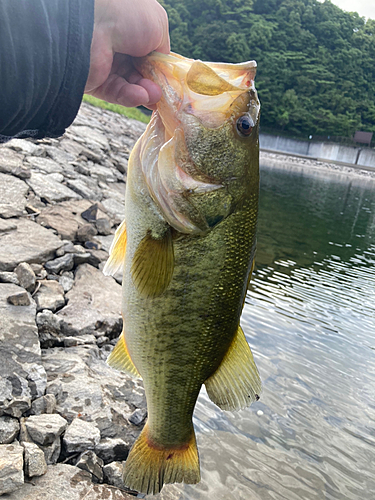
x,y
190,245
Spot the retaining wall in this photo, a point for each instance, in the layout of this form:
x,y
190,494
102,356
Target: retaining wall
x,y
325,150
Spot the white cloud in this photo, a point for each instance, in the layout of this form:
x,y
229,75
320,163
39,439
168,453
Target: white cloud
x,y
364,8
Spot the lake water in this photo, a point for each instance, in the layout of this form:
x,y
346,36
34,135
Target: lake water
x,y
310,320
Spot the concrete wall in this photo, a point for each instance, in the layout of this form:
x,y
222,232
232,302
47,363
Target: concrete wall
x,y
324,150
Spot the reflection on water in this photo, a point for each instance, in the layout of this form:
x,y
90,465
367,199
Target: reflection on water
x,y
310,319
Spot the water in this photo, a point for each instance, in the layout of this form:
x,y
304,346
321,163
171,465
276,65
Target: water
x,y
310,320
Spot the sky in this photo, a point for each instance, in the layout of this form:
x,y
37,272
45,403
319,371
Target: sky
x,y
363,7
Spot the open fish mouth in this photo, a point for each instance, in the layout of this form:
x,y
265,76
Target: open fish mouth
x,y
203,89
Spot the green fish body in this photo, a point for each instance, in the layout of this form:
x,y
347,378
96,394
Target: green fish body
x,y
187,246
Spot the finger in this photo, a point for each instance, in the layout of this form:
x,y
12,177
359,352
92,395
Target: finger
x,y
118,91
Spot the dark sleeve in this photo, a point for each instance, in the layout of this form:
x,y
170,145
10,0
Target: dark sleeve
x,y
44,64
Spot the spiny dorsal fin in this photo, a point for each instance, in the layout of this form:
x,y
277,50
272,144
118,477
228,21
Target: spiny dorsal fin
x,y
153,265
117,252
236,383
120,358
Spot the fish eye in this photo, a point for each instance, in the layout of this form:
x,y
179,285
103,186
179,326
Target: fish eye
x,y
245,125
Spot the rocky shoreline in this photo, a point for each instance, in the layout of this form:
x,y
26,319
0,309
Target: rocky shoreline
x,y
67,420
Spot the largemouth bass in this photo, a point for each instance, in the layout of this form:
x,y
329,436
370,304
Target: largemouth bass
x,y
187,247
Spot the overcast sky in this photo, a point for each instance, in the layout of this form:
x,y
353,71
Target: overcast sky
x,y
363,7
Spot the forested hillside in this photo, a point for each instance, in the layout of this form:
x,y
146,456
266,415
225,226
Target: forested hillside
x,y
316,63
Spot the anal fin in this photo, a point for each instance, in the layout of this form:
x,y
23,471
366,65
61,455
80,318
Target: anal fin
x,y
236,383
121,360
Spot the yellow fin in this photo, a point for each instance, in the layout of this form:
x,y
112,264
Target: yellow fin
x,y
205,81
148,466
153,265
236,383
120,358
116,252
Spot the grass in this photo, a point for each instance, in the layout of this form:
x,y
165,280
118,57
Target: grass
x,y
134,113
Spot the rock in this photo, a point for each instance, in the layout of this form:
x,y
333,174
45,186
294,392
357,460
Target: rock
x,y
67,247
26,276
113,474
50,189
49,328
97,256
106,242
12,196
19,299
45,165
103,226
66,482
100,341
11,467
35,462
59,155
85,385
22,376
45,404
82,188
115,209
91,213
81,340
66,282
90,462
44,429
11,163
52,452
9,429
104,174
86,232
50,295
94,304
8,277
26,146
81,257
64,263
61,219
81,436
39,270
91,136
138,416
112,449
29,243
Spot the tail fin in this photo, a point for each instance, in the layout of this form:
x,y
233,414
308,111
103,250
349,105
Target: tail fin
x,y
149,467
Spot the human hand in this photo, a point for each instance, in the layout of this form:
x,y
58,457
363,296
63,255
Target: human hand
x,y
124,29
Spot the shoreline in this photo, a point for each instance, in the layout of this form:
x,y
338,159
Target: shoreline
x,y
310,166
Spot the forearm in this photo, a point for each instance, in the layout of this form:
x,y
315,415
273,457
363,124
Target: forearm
x,y
44,64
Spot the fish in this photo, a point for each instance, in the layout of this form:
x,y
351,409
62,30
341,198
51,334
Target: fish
x,y
186,248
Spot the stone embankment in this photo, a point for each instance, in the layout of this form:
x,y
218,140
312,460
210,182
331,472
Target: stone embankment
x,y
67,420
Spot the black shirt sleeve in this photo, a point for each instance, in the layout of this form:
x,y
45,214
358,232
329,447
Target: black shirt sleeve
x,y
44,64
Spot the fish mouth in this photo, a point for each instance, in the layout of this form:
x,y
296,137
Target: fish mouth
x,y
203,89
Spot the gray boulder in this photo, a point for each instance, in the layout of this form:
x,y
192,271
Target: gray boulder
x,y
29,242
22,376
35,462
9,428
90,462
50,295
94,304
26,276
12,196
11,467
81,436
45,428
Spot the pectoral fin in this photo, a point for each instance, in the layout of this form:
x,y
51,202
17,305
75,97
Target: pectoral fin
x,y
153,265
120,358
236,383
117,252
